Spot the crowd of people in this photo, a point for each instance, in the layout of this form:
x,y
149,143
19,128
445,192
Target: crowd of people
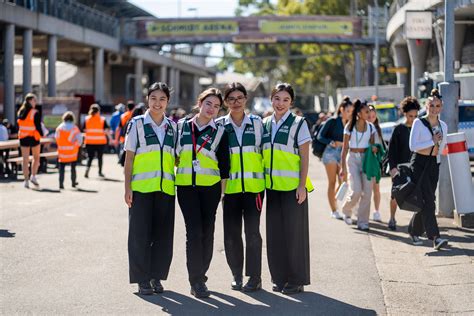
x,y
241,159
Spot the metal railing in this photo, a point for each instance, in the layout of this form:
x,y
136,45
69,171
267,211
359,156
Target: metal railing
x,y
73,12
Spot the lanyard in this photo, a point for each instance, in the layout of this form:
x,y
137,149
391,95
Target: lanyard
x,y
194,140
362,137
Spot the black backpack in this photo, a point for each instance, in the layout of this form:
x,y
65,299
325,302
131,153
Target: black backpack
x,y
317,146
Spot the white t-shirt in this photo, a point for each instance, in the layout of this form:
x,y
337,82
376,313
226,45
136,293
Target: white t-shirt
x,y
303,135
131,139
421,138
360,139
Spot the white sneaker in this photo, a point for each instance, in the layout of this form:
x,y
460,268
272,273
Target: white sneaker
x,y
26,184
336,215
438,243
347,220
416,240
364,227
33,180
376,216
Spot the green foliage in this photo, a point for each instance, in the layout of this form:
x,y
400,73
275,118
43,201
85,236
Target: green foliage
x,y
315,61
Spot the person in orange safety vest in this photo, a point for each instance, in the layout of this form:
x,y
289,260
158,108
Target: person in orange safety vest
x,y
29,133
69,139
96,129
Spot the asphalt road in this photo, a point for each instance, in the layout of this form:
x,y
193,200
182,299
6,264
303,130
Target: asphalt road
x,y
65,252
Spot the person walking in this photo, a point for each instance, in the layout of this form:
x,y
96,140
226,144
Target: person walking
x,y
29,133
203,152
427,140
286,141
69,139
96,130
399,147
378,139
244,190
332,134
150,145
358,136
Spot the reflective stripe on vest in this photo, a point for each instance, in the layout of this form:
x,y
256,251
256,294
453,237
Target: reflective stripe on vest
x,y
246,161
94,131
27,128
67,149
281,157
209,173
153,166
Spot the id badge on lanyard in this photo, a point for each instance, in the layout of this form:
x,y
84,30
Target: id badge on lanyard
x,y
196,162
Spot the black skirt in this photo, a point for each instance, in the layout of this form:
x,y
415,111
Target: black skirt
x,y
29,141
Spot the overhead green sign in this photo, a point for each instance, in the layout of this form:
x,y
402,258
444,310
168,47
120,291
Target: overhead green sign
x,y
159,29
307,27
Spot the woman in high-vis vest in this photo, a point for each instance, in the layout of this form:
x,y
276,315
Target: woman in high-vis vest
x,y
150,192
29,133
244,190
96,130
69,139
203,153
286,140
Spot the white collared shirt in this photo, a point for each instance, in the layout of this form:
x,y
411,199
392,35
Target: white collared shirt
x,y
131,139
303,135
200,128
239,130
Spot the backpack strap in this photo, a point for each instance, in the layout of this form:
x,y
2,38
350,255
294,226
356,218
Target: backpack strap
x,y
427,124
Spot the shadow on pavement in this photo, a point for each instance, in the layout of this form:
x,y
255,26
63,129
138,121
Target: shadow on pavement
x,y
450,252
46,190
307,303
111,180
4,233
84,190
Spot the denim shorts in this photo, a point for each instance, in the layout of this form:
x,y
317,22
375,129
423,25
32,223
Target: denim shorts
x,y
332,155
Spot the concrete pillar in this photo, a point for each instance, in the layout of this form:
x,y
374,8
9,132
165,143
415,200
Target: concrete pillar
x,y
164,74
459,33
138,80
358,68
196,88
99,75
27,56
9,52
171,84
177,86
402,59
417,53
42,79
52,53
370,67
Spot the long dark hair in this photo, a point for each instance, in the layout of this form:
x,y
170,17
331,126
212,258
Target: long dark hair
x,y
358,106
26,106
343,105
283,87
376,122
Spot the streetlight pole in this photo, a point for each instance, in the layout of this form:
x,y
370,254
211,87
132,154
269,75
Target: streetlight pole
x,y
449,90
377,49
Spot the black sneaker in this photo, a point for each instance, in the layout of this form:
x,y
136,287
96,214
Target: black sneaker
x,y
156,285
61,186
392,224
438,243
86,175
101,175
199,290
144,288
253,284
75,184
277,287
236,285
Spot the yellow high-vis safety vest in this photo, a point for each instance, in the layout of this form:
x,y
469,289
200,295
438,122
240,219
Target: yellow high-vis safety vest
x,y
281,157
153,166
246,160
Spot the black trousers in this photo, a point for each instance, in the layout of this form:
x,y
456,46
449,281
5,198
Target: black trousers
x,y
425,220
235,206
287,238
150,236
92,150
62,171
199,206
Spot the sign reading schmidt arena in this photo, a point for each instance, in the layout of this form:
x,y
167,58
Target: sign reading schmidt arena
x,y
159,29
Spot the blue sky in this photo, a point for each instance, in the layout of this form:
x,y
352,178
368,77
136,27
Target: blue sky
x,y
181,8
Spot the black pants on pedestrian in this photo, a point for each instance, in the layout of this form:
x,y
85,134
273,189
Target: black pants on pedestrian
x,y
287,238
92,150
425,220
62,171
199,206
150,236
235,206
